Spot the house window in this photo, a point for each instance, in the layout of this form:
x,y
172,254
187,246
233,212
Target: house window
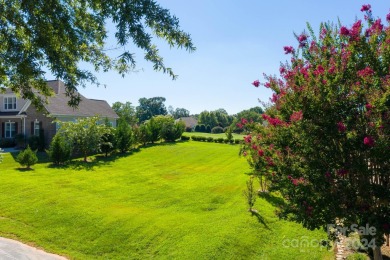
x,y
9,103
36,128
10,130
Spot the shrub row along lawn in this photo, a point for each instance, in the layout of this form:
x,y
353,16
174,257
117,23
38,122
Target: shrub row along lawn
x,y
222,135
166,201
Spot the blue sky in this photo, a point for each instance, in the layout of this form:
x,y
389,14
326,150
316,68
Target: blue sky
x,y
237,41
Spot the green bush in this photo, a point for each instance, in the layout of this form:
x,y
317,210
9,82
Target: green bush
x,y
7,142
27,158
197,128
202,128
220,140
209,139
59,151
357,256
237,141
20,140
185,138
226,141
194,138
208,129
188,129
217,130
107,144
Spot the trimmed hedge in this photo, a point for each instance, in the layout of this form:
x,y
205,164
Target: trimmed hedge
x,y
211,139
185,138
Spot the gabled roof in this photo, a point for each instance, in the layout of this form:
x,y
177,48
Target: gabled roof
x,y
58,106
189,121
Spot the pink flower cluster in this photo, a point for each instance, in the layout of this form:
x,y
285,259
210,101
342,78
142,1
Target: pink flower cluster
x,y
296,182
288,49
341,127
302,39
375,28
319,71
365,8
272,121
296,116
256,83
366,72
354,32
369,141
248,139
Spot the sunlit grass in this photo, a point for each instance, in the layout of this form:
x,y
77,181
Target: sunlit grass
x,y
167,201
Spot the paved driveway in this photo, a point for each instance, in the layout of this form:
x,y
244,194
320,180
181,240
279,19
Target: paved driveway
x,y
14,250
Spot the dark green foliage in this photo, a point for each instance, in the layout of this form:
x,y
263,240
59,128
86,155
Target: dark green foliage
x,y
217,130
237,141
184,138
126,112
202,128
197,128
33,142
20,140
154,130
171,131
7,142
144,134
208,129
27,158
150,107
210,139
250,193
178,112
220,140
108,141
229,134
59,151
188,129
124,136
64,35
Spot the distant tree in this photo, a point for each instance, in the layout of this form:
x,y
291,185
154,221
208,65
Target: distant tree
x,y
208,129
61,36
208,118
197,128
149,107
27,158
253,114
108,141
124,136
126,112
144,134
59,151
154,130
85,134
178,112
202,128
229,134
171,131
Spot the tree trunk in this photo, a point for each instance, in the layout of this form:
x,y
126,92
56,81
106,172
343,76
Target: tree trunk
x,y
387,239
377,253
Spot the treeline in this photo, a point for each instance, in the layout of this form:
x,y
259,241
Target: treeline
x,y
88,136
217,121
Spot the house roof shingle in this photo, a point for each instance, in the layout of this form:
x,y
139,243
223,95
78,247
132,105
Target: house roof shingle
x,y
58,106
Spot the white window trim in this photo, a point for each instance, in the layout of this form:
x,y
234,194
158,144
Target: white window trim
x,y
10,129
36,128
5,103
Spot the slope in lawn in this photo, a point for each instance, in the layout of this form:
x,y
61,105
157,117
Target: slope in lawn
x,y
179,200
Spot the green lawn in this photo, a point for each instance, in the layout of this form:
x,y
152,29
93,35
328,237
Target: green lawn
x,y
180,201
223,135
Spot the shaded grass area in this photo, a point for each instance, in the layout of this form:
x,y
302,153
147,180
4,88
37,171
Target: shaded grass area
x,y
164,201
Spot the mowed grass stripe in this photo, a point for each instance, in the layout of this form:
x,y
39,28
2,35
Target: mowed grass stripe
x,y
166,201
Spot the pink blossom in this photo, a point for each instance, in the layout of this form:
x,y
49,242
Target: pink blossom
x,y
365,8
388,17
256,83
331,69
282,70
274,98
244,121
270,162
247,138
369,141
267,85
366,72
344,31
260,152
254,147
369,106
288,49
302,37
296,116
341,127
239,125
319,71
245,153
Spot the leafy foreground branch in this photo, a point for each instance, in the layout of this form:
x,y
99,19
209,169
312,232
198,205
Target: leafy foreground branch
x,y
59,35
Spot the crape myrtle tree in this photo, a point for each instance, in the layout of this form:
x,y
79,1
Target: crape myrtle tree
x,y
326,144
60,35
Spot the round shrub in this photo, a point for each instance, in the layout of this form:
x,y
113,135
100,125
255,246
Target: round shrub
x,y
27,158
217,130
208,129
185,138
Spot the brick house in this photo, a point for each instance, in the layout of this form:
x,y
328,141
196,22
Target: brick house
x,y
19,116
